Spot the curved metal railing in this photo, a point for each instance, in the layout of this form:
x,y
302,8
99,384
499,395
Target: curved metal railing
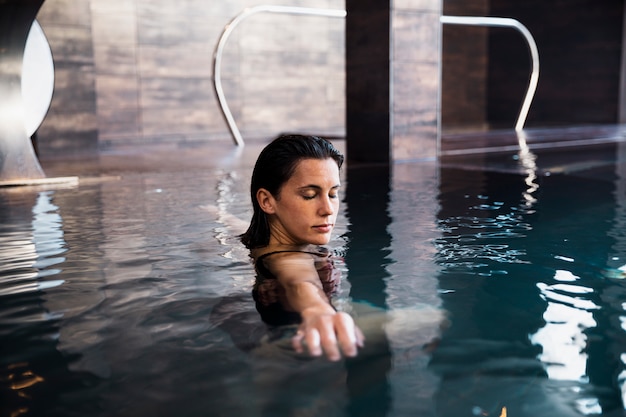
x,y
455,20
217,57
532,46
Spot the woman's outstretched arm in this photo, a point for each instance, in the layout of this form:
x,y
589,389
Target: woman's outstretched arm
x,y
323,329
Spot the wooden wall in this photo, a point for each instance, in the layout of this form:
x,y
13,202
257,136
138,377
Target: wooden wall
x,y
393,64
580,47
486,71
464,68
71,125
134,72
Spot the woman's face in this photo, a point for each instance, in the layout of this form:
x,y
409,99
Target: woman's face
x,y
305,210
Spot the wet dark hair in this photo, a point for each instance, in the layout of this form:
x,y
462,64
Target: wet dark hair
x,y
274,166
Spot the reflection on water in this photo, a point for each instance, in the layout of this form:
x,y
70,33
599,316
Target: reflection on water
x,y
32,246
87,280
562,338
368,191
527,160
22,243
132,297
537,325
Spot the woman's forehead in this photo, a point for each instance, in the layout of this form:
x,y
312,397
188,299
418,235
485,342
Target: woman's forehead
x,y
316,171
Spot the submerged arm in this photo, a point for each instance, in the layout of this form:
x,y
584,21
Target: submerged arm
x,y
323,329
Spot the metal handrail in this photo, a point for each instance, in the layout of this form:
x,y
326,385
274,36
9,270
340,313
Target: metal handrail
x,y
532,45
217,57
455,20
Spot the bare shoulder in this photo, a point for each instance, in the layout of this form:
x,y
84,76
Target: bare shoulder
x,y
275,252
289,265
279,258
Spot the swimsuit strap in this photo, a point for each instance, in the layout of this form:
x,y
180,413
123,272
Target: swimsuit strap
x,y
262,269
265,255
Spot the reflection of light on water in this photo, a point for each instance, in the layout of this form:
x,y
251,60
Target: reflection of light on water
x,y
589,406
231,207
31,241
527,159
469,240
225,197
47,232
25,258
621,378
616,260
562,338
563,342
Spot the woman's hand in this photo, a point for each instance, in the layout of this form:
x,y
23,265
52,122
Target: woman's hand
x,y
326,331
323,330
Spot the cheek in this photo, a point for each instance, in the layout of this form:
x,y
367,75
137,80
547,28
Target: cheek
x,y
287,204
293,212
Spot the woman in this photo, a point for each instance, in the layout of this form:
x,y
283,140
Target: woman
x,y
295,197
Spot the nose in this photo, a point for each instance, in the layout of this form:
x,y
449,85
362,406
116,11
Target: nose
x,y
326,206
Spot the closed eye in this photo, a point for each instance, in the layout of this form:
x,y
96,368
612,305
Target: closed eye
x,y
311,192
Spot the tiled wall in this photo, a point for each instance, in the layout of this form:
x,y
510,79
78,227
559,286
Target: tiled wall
x,y
71,125
140,72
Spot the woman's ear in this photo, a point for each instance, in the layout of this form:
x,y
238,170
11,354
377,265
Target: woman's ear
x,y
266,200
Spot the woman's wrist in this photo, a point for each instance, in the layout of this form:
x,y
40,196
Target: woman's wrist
x,y
317,310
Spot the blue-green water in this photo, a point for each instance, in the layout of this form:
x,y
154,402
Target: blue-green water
x,y
131,297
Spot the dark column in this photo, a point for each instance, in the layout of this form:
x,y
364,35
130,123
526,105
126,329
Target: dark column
x,y
368,44
393,55
17,157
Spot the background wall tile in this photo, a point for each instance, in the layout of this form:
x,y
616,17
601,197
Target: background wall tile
x,y
141,71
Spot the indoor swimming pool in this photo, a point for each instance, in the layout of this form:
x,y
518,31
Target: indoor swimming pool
x,y
129,294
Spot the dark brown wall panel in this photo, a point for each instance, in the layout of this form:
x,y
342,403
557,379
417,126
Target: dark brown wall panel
x,y
580,48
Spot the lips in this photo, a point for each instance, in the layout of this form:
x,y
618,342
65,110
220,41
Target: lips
x,y
323,228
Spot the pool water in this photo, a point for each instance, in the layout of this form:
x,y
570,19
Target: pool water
x,y
536,296
130,296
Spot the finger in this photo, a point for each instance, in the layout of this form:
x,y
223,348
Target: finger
x,y
312,338
332,351
360,337
329,343
346,331
296,341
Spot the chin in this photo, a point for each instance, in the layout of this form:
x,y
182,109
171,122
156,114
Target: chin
x,y
320,240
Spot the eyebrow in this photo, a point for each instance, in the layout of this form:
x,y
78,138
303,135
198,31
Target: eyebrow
x,y
317,187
